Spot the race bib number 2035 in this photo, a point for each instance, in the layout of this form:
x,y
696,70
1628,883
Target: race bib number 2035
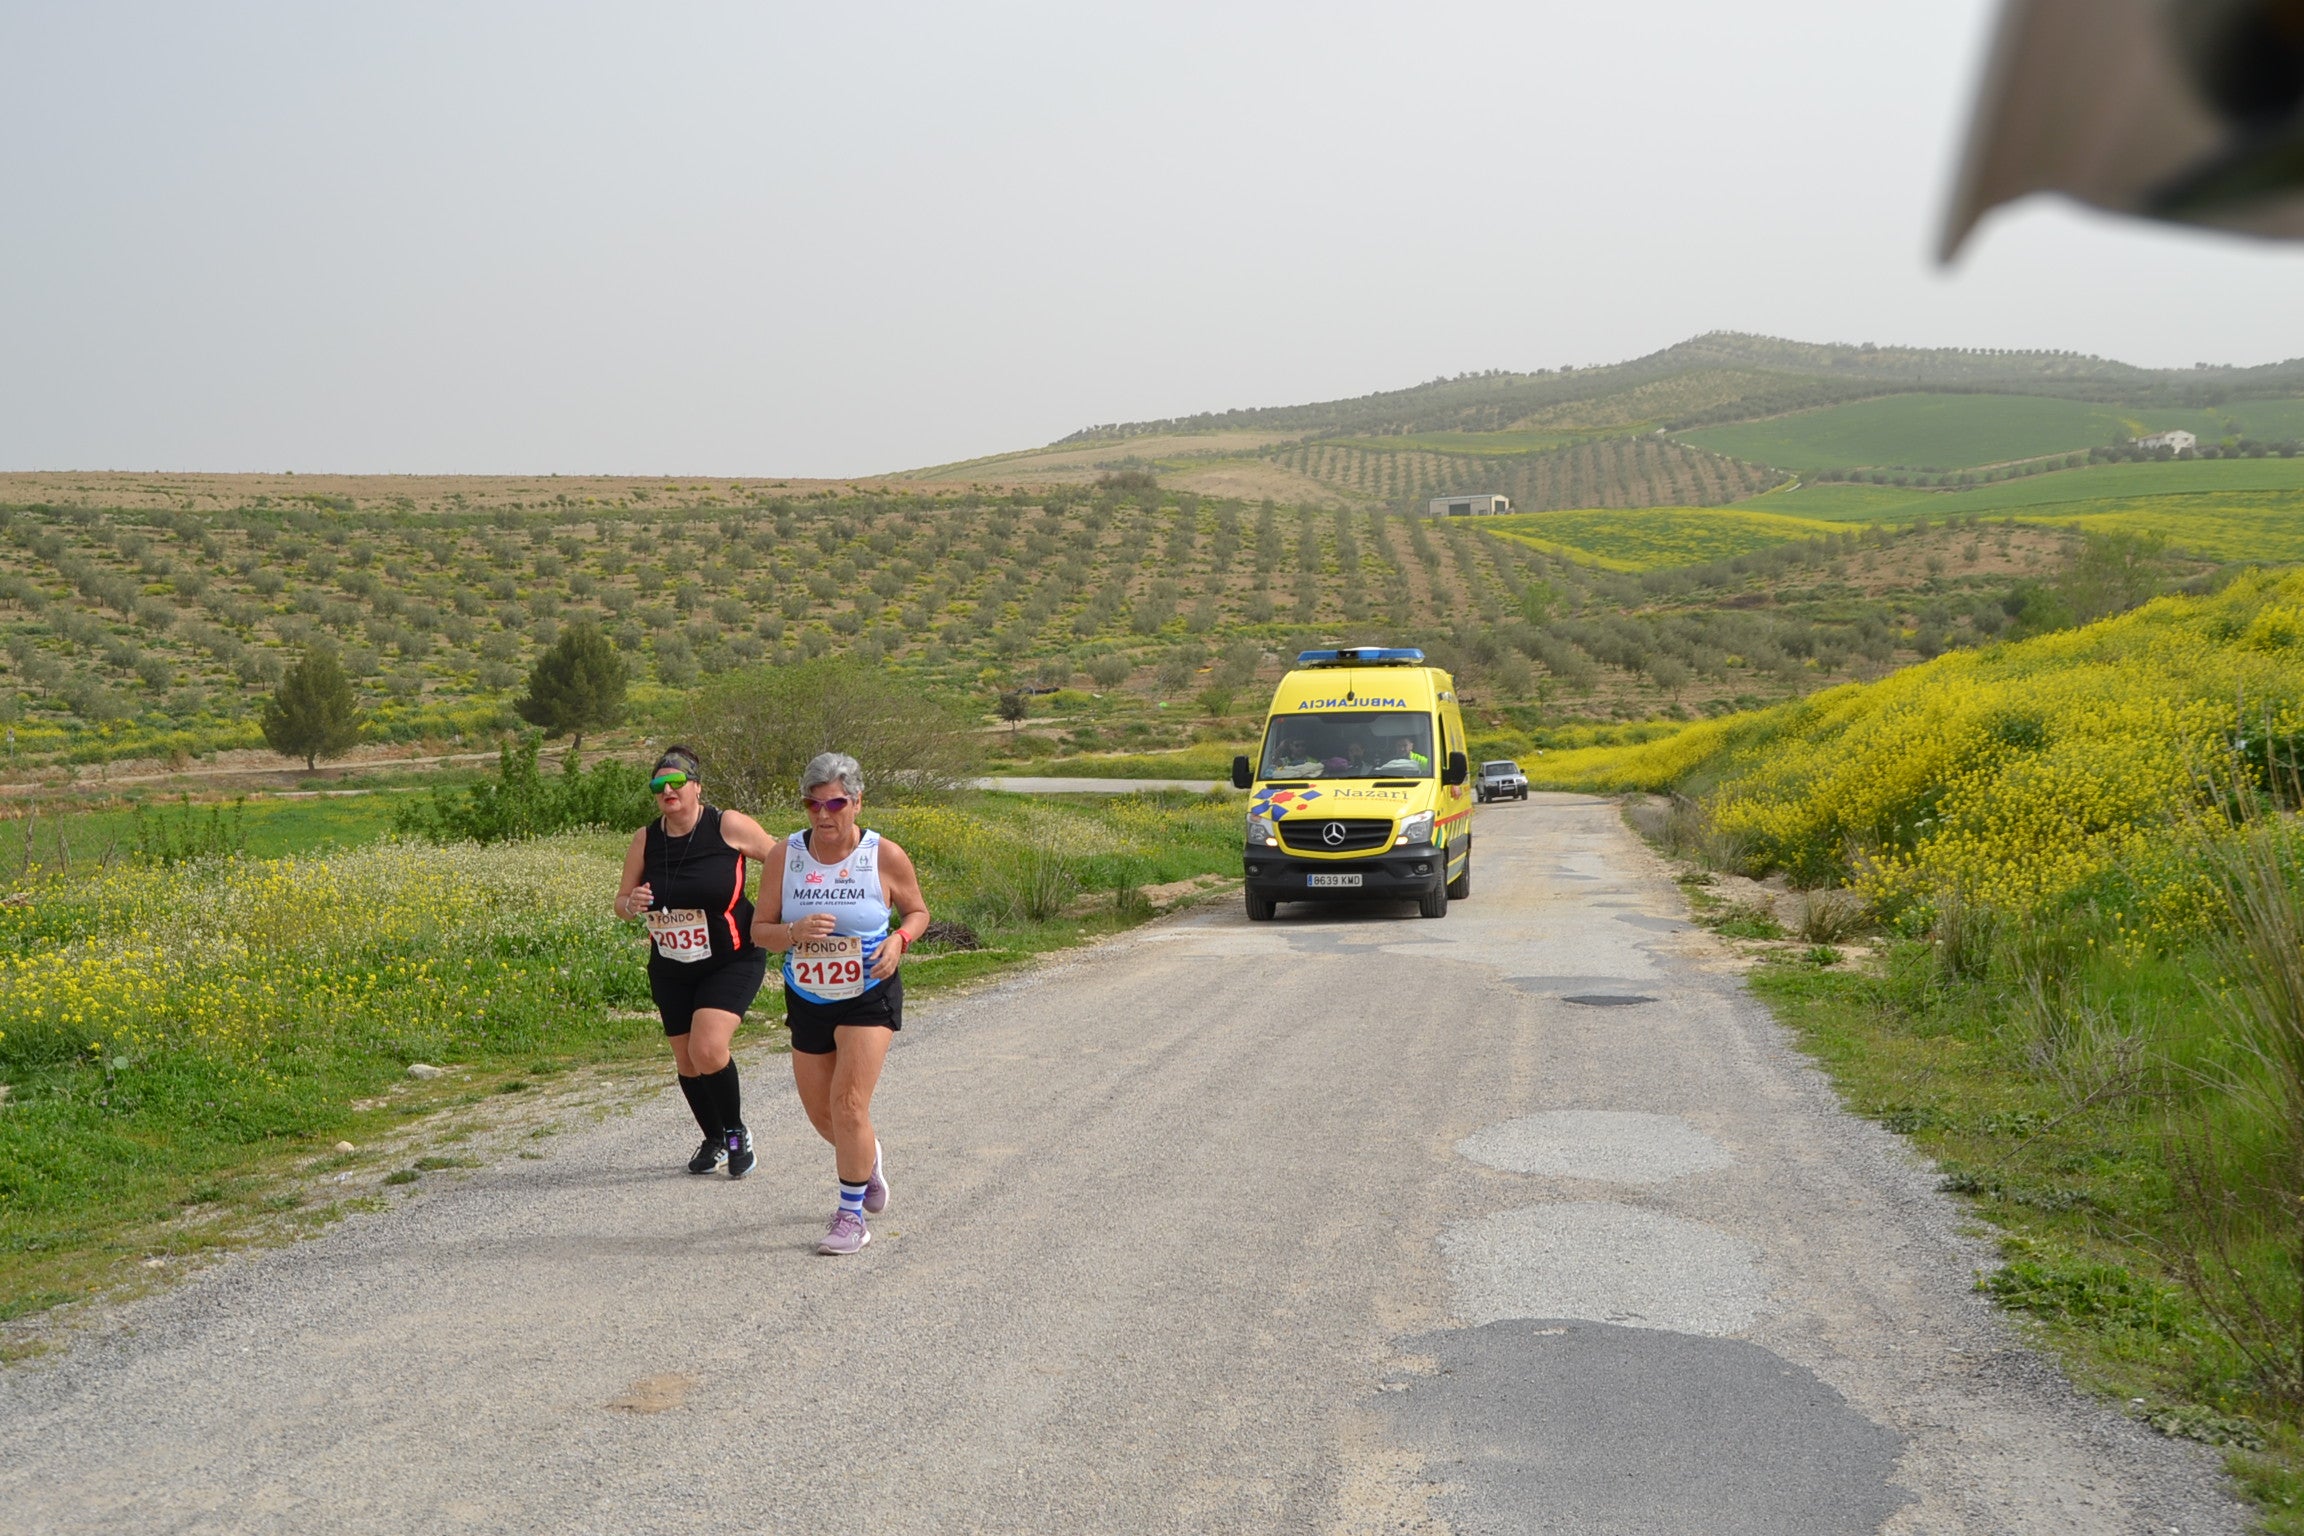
x,y
681,934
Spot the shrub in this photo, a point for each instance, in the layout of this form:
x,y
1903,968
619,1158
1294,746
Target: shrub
x,y
1829,917
755,729
521,802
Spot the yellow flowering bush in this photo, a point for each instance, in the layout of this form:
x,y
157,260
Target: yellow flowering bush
x,y
2017,776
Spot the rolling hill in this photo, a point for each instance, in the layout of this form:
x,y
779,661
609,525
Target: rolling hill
x,y
1711,421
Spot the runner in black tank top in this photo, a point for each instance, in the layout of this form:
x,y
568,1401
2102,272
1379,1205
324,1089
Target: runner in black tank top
x,y
700,872
684,873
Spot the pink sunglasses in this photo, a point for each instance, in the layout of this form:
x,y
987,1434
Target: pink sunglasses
x,y
831,807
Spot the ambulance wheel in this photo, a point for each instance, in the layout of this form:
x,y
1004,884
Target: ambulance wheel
x,y
1461,886
1261,908
1433,903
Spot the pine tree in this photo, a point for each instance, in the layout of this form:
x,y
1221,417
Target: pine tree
x,y
312,713
576,686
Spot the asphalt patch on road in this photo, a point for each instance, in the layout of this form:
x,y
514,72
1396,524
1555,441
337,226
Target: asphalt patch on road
x,y
1607,999
1605,1263
1584,1428
1620,1146
1654,924
1549,986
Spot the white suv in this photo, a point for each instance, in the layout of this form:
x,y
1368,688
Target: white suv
x,y
1501,780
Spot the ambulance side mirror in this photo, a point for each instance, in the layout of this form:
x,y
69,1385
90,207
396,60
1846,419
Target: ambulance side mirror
x,y
1242,776
1459,769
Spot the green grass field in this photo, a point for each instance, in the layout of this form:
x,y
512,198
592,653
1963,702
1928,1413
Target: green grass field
x,y
265,825
1656,538
2097,482
2267,528
2236,526
1948,432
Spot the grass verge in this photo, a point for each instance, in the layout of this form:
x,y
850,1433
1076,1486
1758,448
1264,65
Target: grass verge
x,y
2067,1082
2077,1186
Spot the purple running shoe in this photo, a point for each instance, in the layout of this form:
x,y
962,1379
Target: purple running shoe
x,y
876,1187
847,1234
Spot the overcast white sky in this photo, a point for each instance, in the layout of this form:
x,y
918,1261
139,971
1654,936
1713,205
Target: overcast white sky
x,y
834,239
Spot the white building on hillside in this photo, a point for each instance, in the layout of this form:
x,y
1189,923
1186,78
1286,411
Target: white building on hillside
x,y
2175,442
1470,506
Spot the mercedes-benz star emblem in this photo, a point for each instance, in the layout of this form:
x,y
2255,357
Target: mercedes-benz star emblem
x,y
1333,834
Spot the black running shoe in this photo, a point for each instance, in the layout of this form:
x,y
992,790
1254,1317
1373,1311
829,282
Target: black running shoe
x,y
739,1154
708,1156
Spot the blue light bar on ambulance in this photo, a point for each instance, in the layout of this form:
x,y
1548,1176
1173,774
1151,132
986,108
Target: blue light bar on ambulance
x,y
1362,656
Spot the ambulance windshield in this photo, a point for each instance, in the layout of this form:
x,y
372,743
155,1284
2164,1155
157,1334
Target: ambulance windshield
x,y
1343,744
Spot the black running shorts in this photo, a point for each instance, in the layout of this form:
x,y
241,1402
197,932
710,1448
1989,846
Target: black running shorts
x,y
730,986
812,1023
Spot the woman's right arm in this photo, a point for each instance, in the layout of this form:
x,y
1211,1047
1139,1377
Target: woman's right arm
x,y
633,894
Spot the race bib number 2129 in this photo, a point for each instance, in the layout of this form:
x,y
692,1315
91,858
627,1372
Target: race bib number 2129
x,y
832,968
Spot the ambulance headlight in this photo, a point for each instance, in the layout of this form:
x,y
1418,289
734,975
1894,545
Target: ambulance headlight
x,y
1262,834
1416,828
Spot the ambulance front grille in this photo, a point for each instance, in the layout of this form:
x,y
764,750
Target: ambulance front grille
x,y
1312,834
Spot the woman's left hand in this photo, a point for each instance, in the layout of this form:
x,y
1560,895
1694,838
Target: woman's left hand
x,y
891,955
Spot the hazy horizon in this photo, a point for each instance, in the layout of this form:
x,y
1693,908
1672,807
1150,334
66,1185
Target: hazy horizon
x,y
727,240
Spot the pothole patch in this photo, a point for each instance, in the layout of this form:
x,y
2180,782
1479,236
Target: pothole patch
x,y
1618,1145
1607,999
1566,1426
1604,1263
1653,924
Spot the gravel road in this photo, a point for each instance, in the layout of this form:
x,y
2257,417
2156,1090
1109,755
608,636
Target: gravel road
x,y
1523,1220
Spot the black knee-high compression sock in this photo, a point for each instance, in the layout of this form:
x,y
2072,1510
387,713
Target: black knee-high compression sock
x,y
702,1103
727,1097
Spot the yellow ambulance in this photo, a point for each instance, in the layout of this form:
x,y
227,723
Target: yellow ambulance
x,y
1360,788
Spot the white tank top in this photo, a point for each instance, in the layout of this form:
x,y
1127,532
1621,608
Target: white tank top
x,y
850,890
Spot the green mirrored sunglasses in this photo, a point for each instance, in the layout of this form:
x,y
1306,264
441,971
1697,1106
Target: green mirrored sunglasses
x,y
670,779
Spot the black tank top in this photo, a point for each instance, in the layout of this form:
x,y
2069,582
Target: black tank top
x,y
700,871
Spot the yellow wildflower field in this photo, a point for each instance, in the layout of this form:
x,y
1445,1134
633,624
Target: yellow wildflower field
x,y
227,960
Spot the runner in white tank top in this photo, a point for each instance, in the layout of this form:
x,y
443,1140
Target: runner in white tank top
x,y
843,995
850,890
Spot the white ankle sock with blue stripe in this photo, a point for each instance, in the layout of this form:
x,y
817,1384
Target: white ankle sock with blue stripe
x,y
852,1197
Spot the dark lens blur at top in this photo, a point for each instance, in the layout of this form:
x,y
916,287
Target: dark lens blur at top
x,y
2246,56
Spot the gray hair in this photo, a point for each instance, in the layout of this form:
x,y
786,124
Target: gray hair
x,y
833,768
